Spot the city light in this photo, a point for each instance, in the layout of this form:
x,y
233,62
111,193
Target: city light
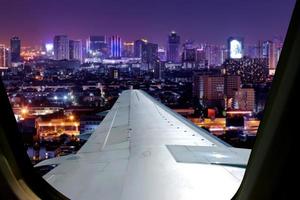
x,y
24,111
239,112
219,82
236,50
49,47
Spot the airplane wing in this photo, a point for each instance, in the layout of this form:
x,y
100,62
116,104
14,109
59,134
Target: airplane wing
x,y
143,150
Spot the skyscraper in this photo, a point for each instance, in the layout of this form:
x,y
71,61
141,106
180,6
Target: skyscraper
x,y
278,44
138,47
173,47
162,54
201,57
61,47
189,55
269,53
15,49
115,46
75,47
128,49
149,53
2,56
97,47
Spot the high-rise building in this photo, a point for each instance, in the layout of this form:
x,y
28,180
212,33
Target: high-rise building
x,y
201,57
232,84
162,54
15,49
158,70
214,89
149,53
189,57
128,49
115,46
75,47
173,48
97,47
224,53
278,44
209,89
269,53
138,47
213,55
61,47
2,55
244,99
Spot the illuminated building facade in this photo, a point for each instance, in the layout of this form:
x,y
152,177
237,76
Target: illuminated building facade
x,y
61,47
53,128
232,84
75,47
128,49
269,53
149,53
213,55
215,89
49,50
162,54
2,55
235,46
114,73
97,47
15,49
201,57
138,47
245,99
173,48
115,47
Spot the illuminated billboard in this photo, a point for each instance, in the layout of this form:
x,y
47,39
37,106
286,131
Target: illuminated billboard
x,y
49,47
235,47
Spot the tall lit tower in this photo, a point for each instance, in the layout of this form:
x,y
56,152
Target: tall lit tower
x,y
268,52
173,47
2,56
61,47
115,46
15,49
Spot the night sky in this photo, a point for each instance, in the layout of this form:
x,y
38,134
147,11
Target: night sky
x,y
212,21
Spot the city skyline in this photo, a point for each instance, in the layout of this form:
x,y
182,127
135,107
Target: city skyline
x,y
231,18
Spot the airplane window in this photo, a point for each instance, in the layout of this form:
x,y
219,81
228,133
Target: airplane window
x,y
104,86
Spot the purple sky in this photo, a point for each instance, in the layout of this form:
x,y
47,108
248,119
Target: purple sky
x,y
212,21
